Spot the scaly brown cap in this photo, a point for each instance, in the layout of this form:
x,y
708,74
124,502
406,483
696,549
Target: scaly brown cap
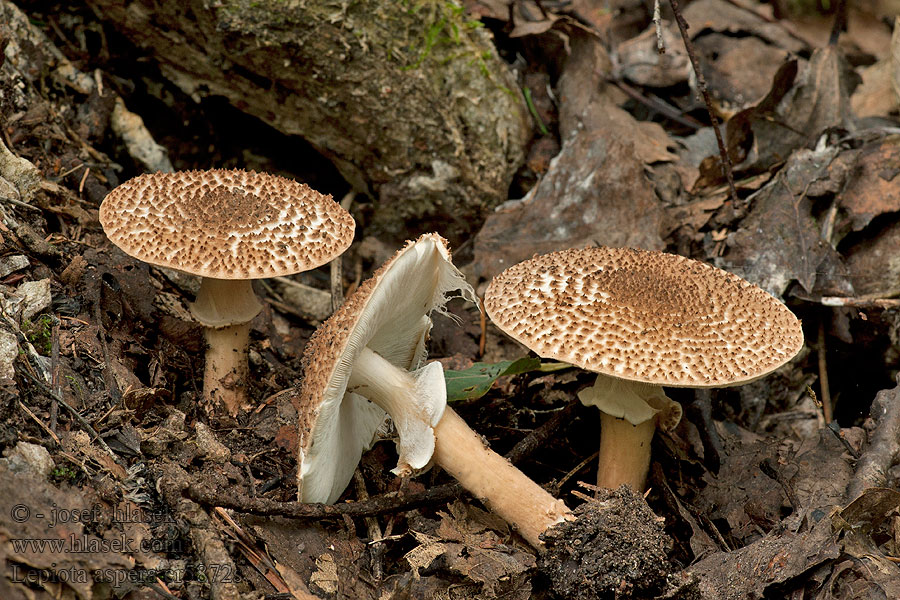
x,y
226,224
644,316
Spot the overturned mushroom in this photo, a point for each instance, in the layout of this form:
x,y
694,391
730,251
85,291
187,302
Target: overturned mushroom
x,y
641,320
229,227
366,360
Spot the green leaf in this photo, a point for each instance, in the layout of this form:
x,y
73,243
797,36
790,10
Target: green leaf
x,y
475,381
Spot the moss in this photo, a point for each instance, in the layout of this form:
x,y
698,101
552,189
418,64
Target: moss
x,y
39,333
64,473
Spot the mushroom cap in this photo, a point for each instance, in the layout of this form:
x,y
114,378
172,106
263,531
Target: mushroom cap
x,y
389,314
644,316
226,224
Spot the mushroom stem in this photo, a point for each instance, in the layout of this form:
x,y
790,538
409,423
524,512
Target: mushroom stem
x,y
226,371
225,308
431,430
624,452
508,492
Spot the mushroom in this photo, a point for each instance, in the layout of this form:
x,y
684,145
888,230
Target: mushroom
x,y
366,360
641,320
229,227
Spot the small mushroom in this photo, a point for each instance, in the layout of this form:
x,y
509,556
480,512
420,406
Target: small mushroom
x,y
366,360
229,227
641,320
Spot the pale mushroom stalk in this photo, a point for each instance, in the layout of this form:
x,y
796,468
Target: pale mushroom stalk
x,y
225,308
456,448
624,452
228,227
630,412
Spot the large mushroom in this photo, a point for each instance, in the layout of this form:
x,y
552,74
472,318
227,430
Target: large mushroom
x,y
641,320
229,227
367,360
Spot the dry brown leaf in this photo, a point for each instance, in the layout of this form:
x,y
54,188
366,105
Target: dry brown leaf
x,y
595,192
325,576
57,522
873,186
723,16
469,547
641,63
805,100
875,95
780,241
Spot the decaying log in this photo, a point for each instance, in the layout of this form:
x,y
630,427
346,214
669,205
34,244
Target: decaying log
x,y
409,100
884,444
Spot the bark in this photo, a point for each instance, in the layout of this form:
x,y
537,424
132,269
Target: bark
x,y
409,100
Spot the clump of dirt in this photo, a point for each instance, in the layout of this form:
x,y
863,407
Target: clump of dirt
x,y
615,547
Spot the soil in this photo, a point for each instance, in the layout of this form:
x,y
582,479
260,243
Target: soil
x,y
615,547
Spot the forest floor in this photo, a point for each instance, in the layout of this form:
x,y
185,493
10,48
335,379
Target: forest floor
x,y
116,482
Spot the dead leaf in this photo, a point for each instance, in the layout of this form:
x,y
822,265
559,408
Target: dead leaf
x,y
874,264
469,547
46,529
875,96
596,192
780,241
873,188
729,17
530,18
760,569
640,61
738,70
325,576
860,522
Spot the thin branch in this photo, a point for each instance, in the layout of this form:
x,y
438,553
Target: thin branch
x,y
704,91
211,495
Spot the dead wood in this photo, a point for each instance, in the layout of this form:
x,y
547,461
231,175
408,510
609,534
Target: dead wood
x,y
218,567
884,444
412,105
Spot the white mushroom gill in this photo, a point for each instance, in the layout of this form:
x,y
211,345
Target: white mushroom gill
x,y
415,400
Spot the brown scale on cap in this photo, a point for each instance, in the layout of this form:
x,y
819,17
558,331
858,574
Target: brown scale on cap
x,y
226,224
644,316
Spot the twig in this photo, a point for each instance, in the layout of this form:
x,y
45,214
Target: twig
x,y
206,538
54,374
108,378
656,103
657,23
827,407
49,431
574,471
19,203
540,436
376,544
482,340
704,91
337,273
210,495
81,420
840,22
380,505
862,302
